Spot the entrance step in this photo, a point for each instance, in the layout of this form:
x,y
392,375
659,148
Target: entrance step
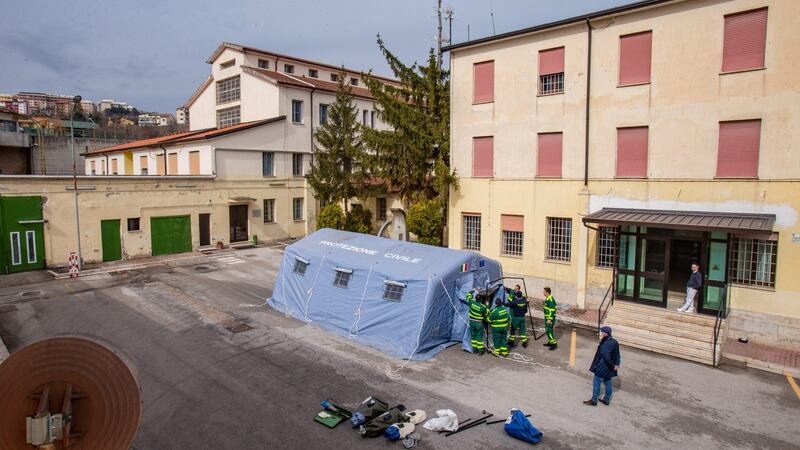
x,y
682,335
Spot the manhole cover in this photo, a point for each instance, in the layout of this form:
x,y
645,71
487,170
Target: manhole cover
x,y
29,294
239,328
202,269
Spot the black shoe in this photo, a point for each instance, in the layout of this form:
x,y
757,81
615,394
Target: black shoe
x,y
547,344
554,346
525,344
590,402
482,352
604,401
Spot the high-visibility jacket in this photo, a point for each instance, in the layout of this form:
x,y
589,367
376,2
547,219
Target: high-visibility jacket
x,y
498,318
477,310
550,308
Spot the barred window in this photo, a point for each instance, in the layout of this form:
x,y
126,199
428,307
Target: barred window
x,y
381,207
606,239
551,84
227,117
297,208
753,262
300,266
269,210
559,239
471,232
342,278
228,90
393,291
512,243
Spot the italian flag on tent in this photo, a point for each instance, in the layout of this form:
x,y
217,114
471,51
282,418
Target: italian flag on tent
x,y
465,267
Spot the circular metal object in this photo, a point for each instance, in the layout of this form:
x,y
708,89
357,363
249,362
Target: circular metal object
x,y
106,405
28,294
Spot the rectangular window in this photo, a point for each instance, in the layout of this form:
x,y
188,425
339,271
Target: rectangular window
x,y
483,156
549,156
635,51
323,113
16,251
268,164
372,119
93,167
297,164
632,152
606,242
228,90
160,164
263,63
354,81
393,291
313,73
300,266
364,116
513,234
551,71
227,117
227,64
269,210
483,82
194,162
172,164
471,239
297,111
559,239
288,68
143,165
334,77
114,166
30,242
753,261
297,208
342,277
134,224
745,40
380,206
739,142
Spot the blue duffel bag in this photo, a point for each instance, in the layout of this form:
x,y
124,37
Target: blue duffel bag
x,y
518,426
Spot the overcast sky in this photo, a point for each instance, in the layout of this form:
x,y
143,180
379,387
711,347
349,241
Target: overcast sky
x,y
151,53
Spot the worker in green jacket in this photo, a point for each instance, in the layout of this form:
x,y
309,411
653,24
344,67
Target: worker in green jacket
x,y
498,319
519,308
478,312
550,318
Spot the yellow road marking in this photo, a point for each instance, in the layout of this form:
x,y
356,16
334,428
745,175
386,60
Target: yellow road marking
x,y
572,349
792,383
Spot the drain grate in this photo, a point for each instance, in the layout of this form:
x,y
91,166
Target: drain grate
x,y
29,294
239,328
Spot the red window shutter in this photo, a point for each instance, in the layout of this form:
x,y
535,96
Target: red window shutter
x,y
512,223
632,152
548,161
483,75
745,40
738,148
634,58
551,61
483,156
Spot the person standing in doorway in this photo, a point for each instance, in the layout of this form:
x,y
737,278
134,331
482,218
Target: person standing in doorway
x,y
692,287
604,367
550,318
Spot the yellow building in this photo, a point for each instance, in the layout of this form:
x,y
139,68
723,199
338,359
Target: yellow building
x,y
672,126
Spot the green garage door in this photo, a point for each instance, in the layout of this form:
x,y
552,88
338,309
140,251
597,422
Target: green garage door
x,y
21,234
172,234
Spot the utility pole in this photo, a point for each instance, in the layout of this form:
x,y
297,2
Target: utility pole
x,y
439,34
76,101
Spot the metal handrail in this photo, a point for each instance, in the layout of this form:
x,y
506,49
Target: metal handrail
x,y
718,326
600,312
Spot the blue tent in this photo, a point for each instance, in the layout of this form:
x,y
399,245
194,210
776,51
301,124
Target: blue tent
x,y
401,298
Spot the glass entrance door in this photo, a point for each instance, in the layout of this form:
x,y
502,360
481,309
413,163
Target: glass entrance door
x,y
653,260
715,271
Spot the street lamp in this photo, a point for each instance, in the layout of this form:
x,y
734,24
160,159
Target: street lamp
x,y
75,102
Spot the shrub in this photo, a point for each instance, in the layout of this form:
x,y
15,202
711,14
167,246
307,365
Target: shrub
x,y
331,216
358,219
425,220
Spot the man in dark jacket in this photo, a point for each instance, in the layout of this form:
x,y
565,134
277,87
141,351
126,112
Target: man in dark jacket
x,y
692,287
519,308
604,367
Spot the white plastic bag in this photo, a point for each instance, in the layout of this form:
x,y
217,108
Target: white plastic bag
x,y
416,417
447,421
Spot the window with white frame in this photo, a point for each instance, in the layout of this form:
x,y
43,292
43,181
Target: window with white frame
x,y
263,63
354,81
16,251
30,241
559,239
268,164
364,117
228,90
288,68
471,239
297,111
334,77
342,277
269,210
313,73
297,164
323,113
393,291
300,266
227,117
753,261
606,244
297,208
372,119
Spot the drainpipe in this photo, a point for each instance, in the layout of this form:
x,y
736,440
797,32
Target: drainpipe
x,y
166,169
307,201
588,96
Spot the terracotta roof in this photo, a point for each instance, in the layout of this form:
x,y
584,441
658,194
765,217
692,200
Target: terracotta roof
x,y
188,136
686,220
308,82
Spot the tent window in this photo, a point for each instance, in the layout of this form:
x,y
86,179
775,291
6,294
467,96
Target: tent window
x,y
342,278
393,291
300,266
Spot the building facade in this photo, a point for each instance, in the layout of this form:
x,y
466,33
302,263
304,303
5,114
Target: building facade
x,y
608,152
182,115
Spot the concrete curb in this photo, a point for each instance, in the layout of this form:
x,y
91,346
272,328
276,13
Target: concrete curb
x,y
763,365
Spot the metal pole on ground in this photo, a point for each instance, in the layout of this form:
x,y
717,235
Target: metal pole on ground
x,y
76,101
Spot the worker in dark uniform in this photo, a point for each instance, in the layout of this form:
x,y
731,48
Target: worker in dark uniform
x,y
519,308
498,319
478,312
550,318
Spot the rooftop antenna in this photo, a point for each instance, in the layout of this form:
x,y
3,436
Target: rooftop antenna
x,y
491,13
448,14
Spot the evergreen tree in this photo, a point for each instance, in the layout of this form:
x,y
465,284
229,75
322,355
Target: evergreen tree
x,y
413,156
338,172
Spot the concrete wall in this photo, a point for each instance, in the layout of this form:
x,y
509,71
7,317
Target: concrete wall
x,y
14,160
58,154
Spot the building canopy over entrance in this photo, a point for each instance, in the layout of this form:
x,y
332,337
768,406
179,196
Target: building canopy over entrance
x,y
750,224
